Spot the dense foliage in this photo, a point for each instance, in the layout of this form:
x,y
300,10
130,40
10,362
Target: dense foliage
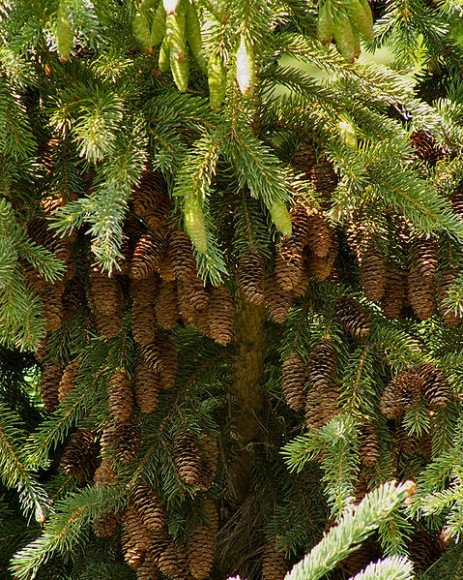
x,y
231,289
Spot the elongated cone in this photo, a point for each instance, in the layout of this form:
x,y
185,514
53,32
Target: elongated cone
x,y
277,301
201,543
220,315
372,273
127,441
151,201
104,474
322,364
288,270
120,396
187,457
294,378
217,80
345,35
395,288
325,28
195,224
147,388
178,52
166,307
148,506
250,277
274,564
421,293
361,15
436,388
68,379
161,357
135,538
64,32
143,323
171,559
281,218
105,526
79,457
209,461
147,256
353,317
368,444
49,385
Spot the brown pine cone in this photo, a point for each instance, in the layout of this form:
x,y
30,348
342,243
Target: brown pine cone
x,y
395,288
391,405
52,299
321,235
324,177
457,200
171,559
187,457
425,257
151,201
127,440
301,225
106,302
147,387
312,412
366,553
424,550
68,379
49,385
304,158
277,301
166,307
209,460
352,317
201,543
120,396
220,316
80,456
147,256
426,146
436,388
143,323
372,273
421,294
329,403
143,292
148,506
250,277
182,256
104,474
105,526
149,569
294,378
135,539
160,356
288,269
447,279
368,444
409,386
322,364
274,563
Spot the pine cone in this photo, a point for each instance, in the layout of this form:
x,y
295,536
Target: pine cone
x,y
147,256
359,559
52,299
201,543
321,405
274,564
143,323
322,364
148,570
277,301
372,273
457,200
329,403
104,474
160,356
426,147
120,396
171,560
105,526
250,277
135,538
166,307
424,550
391,405
187,457
304,158
324,177
368,444
409,386
302,225
147,387
148,506
322,268
79,457
405,442
143,292
209,460
352,317
49,385
151,201
68,379
181,255
395,288
447,279
288,269
421,294
220,316
106,303
293,377
127,439
321,235
425,257
436,388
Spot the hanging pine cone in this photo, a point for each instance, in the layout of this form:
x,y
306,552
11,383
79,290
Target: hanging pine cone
x,y
181,255
250,277
192,290
161,357
143,323
105,526
209,460
135,538
188,312
127,439
372,273
201,543
120,396
391,406
352,317
426,146
148,506
448,315
421,294
166,270
151,201
104,474
322,268
457,200
424,550
52,299
294,378
171,559
187,457
79,457
166,307
409,386
365,553
436,388
425,257
324,177
304,158
147,387
288,270
329,403
220,315
368,444
106,303
143,292
148,570
49,385
301,225
277,301
274,563
147,256
405,442
395,288
321,235
322,364
32,279
312,411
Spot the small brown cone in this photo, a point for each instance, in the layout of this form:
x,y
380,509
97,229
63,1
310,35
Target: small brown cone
x,y
187,457
106,303
148,570
324,177
426,147
147,256
323,268
447,279
160,356
171,559
166,307
288,269
368,444
409,386
301,225
151,201
127,440
277,301
425,257
391,406
79,457
457,200
209,460
148,506
321,235
68,379
201,543
274,563
135,538
294,378
52,298
220,316
436,388
104,474
49,385
322,364
120,396
143,323
395,288
147,387
250,277
352,317
105,526
372,273
421,294
181,255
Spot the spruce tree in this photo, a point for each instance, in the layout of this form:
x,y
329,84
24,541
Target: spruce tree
x,y
231,289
